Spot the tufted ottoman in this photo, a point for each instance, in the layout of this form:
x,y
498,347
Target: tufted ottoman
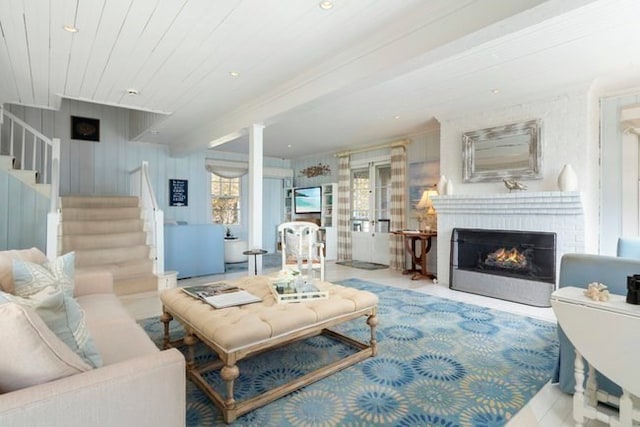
x,y
235,333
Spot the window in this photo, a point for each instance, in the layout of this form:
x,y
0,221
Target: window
x,y
225,200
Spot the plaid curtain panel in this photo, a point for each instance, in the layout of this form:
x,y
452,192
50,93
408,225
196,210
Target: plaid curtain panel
x,y
398,194
344,208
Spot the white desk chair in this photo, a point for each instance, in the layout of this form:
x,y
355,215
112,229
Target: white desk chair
x,y
301,248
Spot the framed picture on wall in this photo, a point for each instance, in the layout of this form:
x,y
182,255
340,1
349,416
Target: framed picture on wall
x,y
422,175
178,192
85,129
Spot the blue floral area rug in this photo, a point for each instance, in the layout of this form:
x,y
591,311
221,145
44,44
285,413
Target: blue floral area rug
x,y
440,363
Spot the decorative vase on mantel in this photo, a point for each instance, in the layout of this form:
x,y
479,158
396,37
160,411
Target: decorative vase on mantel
x,y
449,188
441,186
567,180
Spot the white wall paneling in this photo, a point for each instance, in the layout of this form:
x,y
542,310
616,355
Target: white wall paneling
x,y
101,168
568,136
611,174
23,215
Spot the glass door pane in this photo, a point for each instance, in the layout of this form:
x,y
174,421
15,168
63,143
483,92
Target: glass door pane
x,y
360,193
383,198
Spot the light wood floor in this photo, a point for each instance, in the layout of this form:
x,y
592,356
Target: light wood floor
x,y
549,408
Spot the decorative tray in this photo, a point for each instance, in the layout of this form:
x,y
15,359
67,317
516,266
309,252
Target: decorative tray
x,y
296,291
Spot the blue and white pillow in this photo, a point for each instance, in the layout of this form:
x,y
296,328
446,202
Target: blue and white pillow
x,y
48,289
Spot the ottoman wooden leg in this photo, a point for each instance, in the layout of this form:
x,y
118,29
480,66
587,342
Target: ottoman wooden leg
x,y
372,321
190,340
166,318
228,374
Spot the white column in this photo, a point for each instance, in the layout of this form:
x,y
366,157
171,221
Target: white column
x,y
255,195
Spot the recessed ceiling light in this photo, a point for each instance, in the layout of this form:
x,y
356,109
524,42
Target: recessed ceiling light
x,y
289,145
234,73
326,4
495,91
396,117
70,28
132,92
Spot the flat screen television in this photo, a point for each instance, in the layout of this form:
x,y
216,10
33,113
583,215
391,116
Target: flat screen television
x,y
307,200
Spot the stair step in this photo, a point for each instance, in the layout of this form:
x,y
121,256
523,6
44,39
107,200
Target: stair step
x,y
97,241
109,256
100,214
98,201
44,189
107,233
135,284
29,177
124,270
6,162
102,227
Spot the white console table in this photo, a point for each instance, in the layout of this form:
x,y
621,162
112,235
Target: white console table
x,y
605,336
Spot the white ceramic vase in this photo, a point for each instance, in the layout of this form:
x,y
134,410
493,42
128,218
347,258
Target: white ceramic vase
x,y
567,180
441,186
449,188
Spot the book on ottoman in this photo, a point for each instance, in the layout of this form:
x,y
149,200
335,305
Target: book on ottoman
x,y
221,295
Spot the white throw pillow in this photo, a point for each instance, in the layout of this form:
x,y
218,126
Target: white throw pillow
x,y
31,354
48,290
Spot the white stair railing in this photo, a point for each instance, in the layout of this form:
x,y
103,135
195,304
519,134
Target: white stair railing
x,y
53,217
34,151
140,186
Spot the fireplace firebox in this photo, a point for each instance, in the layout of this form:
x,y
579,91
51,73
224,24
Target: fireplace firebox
x,y
517,266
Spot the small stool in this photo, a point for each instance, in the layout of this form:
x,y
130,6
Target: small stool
x,y
233,249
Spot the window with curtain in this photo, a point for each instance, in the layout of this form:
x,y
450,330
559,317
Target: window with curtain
x,y
225,200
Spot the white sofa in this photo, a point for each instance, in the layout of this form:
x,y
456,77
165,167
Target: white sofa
x,y
138,385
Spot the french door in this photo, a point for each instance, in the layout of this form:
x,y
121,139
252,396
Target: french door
x,y
370,216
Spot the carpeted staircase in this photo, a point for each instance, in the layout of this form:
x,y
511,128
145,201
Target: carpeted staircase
x,y
107,232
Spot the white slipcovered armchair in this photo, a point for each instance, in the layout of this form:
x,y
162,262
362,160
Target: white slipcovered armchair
x,y
301,248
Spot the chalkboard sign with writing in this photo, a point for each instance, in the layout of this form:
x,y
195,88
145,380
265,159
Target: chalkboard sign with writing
x,y
178,192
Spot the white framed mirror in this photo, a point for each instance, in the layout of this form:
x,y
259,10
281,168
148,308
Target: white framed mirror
x,y
513,151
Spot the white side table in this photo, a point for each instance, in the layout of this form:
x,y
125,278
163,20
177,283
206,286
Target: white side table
x,y
233,249
604,335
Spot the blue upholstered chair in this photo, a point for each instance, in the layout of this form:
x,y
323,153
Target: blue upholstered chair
x,y
629,247
579,270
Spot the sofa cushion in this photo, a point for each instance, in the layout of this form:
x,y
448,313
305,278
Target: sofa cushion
x,y
6,264
31,353
116,334
48,289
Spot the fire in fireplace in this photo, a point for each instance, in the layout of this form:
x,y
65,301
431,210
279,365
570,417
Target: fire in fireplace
x,y
509,259
513,265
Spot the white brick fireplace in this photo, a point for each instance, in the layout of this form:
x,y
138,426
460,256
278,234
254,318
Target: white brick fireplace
x,y
553,211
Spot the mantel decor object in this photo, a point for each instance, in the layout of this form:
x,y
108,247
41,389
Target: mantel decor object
x,y
441,186
512,151
567,180
317,170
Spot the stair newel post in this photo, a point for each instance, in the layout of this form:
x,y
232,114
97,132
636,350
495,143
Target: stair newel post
x,y
33,154
22,153
53,217
159,235
11,127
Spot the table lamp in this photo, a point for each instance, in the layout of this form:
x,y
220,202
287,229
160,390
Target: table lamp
x,y
428,215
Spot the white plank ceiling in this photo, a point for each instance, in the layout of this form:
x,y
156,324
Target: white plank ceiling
x,y
360,73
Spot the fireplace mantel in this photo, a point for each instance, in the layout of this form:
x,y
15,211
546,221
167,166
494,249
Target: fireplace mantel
x,y
552,211
517,203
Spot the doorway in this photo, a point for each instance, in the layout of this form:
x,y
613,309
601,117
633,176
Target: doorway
x,y
370,216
